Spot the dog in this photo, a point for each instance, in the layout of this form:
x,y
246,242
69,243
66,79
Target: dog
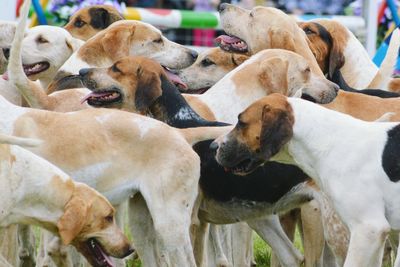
x,y
120,39
251,31
107,156
116,86
337,49
88,21
74,211
210,66
282,129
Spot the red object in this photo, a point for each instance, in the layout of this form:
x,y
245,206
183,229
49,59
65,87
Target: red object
x,y
381,11
19,4
161,12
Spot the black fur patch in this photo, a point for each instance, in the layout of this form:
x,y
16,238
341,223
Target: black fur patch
x,y
100,18
391,155
267,183
339,80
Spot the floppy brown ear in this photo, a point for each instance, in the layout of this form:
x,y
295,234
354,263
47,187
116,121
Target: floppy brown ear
x,y
336,58
117,41
273,75
281,39
148,90
73,220
276,130
238,59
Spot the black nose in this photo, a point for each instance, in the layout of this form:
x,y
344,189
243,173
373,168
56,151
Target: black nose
x,y
6,53
222,7
336,87
128,251
84,72
194,54
214,146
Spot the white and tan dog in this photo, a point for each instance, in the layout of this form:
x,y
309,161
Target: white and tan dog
x,y
33,191
210,66
294,130
123,38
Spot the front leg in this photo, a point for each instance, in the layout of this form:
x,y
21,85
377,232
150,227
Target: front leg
x,y
271,231
367,241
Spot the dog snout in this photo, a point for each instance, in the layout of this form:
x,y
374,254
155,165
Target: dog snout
x,y
84,72
335,87
214,146
128,251
6,52
222,7
194,54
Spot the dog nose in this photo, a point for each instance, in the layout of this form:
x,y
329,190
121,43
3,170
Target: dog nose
x,y
222,7
335,87
6,52
84,72
194,54
128,251
214,146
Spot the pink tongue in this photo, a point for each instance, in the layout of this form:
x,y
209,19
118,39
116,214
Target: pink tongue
x,y
227,39
5,76
108,259
93,94
175,78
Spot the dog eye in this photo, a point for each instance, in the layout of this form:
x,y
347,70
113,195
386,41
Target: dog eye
x,y
79,23
41,40
109,218
158,41
206,62
308,31
114,68
241,124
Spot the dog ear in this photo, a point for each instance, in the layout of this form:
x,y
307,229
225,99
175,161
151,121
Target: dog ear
x,y
281,39
120,36
74,44
276,130
73,219
238,59
336,58
148,90
101,18
273,75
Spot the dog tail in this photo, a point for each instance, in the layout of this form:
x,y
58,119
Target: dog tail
x,y
198,134
20,141
385,71
31,91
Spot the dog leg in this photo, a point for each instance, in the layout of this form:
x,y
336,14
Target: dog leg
x,y
313,233
288,222
27,242
9,244
216,242
200,240
367,243
242,244
53,253
143,236
271,231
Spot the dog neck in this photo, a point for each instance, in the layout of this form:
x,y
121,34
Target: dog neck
x,y
173,109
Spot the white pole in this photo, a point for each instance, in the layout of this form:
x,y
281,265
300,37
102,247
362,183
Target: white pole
x,y
371,17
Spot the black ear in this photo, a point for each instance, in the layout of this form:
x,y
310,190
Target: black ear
x,y
147,91
100,18
276,130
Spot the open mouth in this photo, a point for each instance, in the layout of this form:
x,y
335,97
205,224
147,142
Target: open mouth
x,y
32,69
196,91
308,98
103,97
173,77
95,254
231,44
244,167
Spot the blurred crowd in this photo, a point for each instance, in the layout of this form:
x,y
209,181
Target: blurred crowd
x,y
318,7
